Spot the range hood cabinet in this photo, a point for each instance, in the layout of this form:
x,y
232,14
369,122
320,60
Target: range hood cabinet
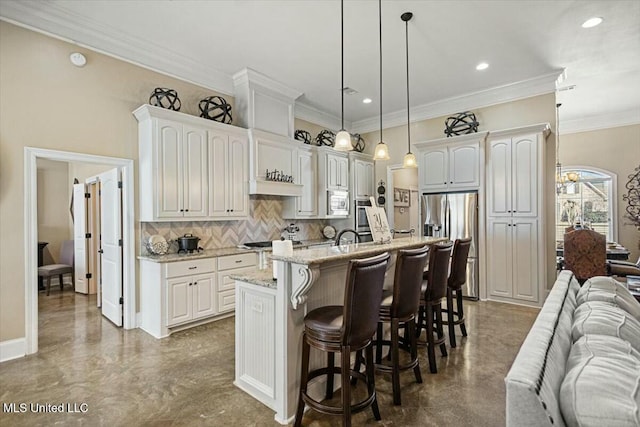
x,y
272,152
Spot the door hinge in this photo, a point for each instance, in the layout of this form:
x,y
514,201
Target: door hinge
x,y
119,184
88,276
87,236
121,300
87,195
99,192
120,242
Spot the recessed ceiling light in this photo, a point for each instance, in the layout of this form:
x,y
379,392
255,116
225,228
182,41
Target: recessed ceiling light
x,y
482,66
367,101
592,22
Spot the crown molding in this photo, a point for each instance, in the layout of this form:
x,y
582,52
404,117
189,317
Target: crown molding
x,y
321,118
604,121
252,77
540,85
61,23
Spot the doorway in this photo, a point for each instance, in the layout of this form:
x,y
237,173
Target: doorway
x,y
31,233
403,202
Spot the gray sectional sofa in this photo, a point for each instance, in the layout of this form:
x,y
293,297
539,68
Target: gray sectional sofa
x,y
580,363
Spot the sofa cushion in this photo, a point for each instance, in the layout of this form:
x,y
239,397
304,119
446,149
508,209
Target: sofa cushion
x,y
602,383
609,290
604,318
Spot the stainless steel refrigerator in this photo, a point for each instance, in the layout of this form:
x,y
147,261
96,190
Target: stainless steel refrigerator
x,y
454,215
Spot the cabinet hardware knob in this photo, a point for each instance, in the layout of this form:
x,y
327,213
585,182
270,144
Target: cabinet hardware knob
x,y
445,182
181,210
190,284
238,261
186,210
231,210
192,268
195,283
450,182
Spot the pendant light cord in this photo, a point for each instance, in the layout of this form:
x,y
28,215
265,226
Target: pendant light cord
x,y
408,120
342,57
380,19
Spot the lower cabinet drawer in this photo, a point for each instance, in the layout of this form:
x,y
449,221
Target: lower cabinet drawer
x,y
225,282
226,300
196,266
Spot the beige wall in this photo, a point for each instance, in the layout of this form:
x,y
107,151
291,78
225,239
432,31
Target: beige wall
x,y
54,217
47,102
616,150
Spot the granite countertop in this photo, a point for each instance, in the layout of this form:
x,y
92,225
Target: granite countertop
x,y
213,253
358,250
257,277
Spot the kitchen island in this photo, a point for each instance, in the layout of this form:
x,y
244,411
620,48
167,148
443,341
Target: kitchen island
x,y
270,314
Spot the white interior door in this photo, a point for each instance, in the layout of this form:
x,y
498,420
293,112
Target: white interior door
x,y
111,245
79,238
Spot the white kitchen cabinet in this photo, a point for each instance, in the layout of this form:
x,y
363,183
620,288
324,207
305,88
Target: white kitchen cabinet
x,y
306,205
512,258
363,179
182,294
512,176
228,185
228,265
190,298
176,172
517,245
337,172
449,167
190,168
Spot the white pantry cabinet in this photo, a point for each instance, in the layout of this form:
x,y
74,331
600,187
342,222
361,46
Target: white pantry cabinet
x,y
228,183
513,178
516,222
306,173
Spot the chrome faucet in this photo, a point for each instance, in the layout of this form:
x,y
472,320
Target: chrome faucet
x,y
346,230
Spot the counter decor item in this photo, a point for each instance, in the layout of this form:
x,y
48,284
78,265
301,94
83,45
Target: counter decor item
x,y
329,232
215,108
326,138
461,124
381,191
359,144
302,135
157,245
377,217
188,243
165,98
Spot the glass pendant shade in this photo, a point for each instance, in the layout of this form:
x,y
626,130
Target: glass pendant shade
x,y
381,152
343,141
409,161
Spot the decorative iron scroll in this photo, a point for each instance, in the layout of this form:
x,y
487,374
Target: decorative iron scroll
x,y
633,197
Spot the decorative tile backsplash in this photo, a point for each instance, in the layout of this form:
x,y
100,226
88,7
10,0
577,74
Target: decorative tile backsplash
x,y
265,223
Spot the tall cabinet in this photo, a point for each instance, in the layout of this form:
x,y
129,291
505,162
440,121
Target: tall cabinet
x,y
515,203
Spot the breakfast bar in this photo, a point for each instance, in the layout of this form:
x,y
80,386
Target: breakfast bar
x,y
270,314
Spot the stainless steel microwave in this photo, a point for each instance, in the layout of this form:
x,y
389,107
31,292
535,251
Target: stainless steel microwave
x,y
361,221
337,203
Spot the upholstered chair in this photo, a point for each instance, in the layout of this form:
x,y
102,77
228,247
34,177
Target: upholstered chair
x,y
585,254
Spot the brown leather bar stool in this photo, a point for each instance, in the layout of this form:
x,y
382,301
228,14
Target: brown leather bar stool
x,y
399,307
345,329
434,291
457,278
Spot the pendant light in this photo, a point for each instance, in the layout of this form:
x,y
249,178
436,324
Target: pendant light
x,y
381,151
409,160
343,138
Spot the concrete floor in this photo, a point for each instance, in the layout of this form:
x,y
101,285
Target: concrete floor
x,y
128,378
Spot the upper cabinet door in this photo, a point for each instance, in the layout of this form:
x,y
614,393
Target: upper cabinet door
x,y
343,173
499,178
219,174
238,176
195,172
307,171
433,169
524,189
464,166
364,179
333,179
170,178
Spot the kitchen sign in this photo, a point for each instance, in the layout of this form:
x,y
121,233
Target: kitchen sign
x,y
278,176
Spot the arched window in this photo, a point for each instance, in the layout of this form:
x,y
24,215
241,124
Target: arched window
x,y
589,201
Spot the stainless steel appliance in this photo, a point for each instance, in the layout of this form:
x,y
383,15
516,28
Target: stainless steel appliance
x,y
337,203
454,215
361,221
